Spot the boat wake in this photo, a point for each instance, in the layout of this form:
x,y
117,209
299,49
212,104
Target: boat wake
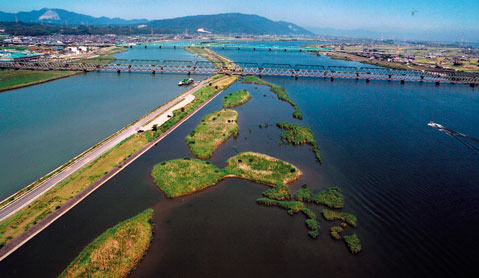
x,y
468,141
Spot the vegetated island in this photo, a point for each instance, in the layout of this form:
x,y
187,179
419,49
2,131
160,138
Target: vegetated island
x,y
181,177
278,90
280,196
116,252
343,216
14,225
353,243
331,198
214,129
236,98
296,135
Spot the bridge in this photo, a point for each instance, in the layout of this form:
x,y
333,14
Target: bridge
x,y
243,68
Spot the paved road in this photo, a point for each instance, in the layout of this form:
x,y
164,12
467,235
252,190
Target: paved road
x,y
43,187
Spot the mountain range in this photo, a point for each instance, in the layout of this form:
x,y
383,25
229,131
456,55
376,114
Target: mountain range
x,y
227,23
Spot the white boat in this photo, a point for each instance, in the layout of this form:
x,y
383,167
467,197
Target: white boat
x,y
433,124
186,81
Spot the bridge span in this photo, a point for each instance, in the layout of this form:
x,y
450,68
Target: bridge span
x,y
266,69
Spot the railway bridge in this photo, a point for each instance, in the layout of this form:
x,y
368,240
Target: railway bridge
x,y
244,68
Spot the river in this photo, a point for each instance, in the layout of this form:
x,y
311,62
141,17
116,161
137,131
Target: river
x,y
44,126
412,187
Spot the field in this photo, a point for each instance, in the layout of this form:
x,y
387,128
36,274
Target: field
x,y
236,99
278,90
214,129
181,177
53,199
12,79
116,252
184,176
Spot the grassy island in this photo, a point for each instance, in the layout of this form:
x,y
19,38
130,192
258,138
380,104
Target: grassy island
x,y
331,198
278,90
214,129
353,242
262,168
296,135
279,192
183,176
116,252
292,207
236,98
13,79
336,231
343,216
313,226
30,215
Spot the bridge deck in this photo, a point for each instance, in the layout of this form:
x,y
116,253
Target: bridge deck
x,y
203,67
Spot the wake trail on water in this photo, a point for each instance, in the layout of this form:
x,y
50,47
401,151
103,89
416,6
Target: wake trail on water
x,y
468,141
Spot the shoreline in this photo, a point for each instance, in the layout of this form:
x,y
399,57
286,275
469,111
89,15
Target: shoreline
x,y
42,224
19,86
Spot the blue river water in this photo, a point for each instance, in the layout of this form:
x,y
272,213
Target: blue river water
x,y
413,188
43,126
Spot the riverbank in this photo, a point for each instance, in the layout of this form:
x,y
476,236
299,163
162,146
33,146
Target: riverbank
x,y
117,251
209,55
15,79
88,176
350,57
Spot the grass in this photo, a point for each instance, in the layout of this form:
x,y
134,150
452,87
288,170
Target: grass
x,y
353,242
116,252
70,187
279,192
335,232
28,216
262,168
331,198
278,90
236,99
208,54
313,226
183,176
292,207
214,129
296,135
346,217
12,79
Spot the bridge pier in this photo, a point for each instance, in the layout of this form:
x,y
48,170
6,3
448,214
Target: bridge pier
x,y
153,72
296,77
160,46
402,81
367,80
118,71
332,78
146,46
131,46
174,46
422,78
270,49
285,50
357,75
472,85
300,50
189,73
437,83
238,48
254,48
390,76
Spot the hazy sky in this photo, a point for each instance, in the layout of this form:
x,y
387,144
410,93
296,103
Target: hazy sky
x,y
384,16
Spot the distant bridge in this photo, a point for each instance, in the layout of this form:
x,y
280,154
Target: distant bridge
x,y
266,69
